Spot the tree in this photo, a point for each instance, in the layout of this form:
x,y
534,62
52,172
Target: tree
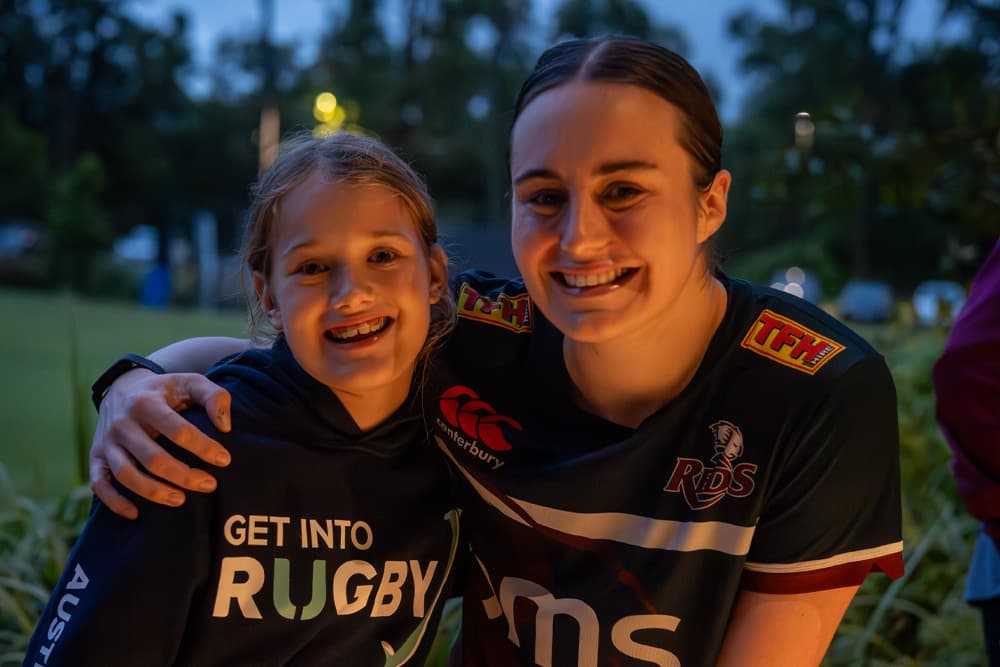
x,y
871,181
590,18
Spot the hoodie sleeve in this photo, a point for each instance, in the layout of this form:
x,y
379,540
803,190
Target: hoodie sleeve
x,y
125,594
967,387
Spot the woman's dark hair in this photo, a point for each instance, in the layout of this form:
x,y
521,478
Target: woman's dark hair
x,y
616,59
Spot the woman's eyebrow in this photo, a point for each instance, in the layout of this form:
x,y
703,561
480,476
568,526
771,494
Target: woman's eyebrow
x,y
601,170
623,165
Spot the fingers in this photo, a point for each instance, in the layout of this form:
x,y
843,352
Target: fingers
x,y
139,407
100,476
158,416
199,390
156,460
125,470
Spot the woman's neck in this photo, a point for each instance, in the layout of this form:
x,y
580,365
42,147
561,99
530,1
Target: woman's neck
x,y
629,378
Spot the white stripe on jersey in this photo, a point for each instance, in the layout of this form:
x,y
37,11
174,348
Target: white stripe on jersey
x,y
632,529
832,561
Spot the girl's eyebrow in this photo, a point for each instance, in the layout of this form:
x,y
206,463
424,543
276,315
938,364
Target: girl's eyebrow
x,y
602,170
388,233
535,173
374,235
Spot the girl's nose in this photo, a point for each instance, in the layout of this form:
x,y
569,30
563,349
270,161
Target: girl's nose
x,y
350,291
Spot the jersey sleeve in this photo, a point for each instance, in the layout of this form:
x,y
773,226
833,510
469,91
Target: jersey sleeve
x,y
125,594
833,513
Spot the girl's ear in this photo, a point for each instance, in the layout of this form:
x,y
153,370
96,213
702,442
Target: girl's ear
x,y
712,205
267,301
437,262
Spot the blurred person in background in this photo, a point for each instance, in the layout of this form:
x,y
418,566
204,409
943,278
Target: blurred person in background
x,y
967,384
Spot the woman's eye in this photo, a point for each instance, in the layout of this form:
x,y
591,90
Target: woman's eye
x,y
311,268
383,256
620,192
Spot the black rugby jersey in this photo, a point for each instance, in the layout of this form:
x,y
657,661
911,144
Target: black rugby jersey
x,y
776,470
323,545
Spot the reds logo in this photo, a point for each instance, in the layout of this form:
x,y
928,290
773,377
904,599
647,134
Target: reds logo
x,y
702,486
509,313
475,425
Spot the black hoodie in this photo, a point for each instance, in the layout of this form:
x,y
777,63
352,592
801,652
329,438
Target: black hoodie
x,y
322,545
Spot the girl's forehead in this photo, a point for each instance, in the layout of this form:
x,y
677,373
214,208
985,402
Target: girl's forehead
x,y
339,208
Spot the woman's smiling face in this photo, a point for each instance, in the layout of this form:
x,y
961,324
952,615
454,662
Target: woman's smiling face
x,y
608,225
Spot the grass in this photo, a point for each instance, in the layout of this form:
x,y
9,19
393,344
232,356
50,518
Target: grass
x,y
37,400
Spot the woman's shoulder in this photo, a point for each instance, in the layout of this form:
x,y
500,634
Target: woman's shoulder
x,y
502,303
792,339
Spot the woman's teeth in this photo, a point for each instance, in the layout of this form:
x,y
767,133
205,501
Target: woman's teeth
x,y
370,327
592,279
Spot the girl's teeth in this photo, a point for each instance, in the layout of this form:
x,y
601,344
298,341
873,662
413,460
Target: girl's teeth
x,y
361,329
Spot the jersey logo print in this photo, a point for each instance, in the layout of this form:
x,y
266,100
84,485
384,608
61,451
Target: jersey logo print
x,y
474,425
463,409
512,313
397,657
789,343
704,485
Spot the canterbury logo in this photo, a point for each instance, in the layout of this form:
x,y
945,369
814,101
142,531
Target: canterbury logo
x,y
513,313
464,410
789,343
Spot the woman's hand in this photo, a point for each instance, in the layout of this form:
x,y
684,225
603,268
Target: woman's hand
x,y
139,407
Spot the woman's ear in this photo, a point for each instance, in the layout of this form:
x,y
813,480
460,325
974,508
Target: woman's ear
x,y
437,263
712,205
267,300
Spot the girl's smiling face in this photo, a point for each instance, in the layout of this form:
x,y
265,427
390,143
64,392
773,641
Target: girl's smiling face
x,y
350,284
608,225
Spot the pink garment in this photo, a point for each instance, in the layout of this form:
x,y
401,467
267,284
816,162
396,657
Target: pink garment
x,y
967,384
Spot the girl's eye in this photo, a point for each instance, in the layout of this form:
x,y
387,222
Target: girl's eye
x,y
546,199
312,268
383,256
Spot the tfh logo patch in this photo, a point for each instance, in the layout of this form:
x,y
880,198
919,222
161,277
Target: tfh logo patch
x,y
513,313
789,343
704,485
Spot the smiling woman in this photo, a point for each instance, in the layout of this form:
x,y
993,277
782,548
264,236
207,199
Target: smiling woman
x,y
681,467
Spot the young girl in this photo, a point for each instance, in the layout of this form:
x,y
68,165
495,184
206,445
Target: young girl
x,y
665,465
344,556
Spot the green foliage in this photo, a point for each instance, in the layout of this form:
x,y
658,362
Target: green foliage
x,y
78,224
23,170
897,176
920,619
35,541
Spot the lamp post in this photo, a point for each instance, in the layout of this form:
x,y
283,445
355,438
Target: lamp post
x,y
329,113
269,128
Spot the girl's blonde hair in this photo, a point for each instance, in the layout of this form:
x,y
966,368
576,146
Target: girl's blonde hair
x,y
342,158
